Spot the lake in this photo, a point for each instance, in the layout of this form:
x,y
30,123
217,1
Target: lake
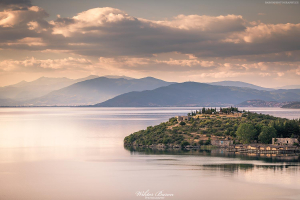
x,y
77,154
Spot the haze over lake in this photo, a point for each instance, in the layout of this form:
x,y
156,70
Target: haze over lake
x,y
78,153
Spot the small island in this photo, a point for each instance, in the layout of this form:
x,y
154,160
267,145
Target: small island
x,y
226,127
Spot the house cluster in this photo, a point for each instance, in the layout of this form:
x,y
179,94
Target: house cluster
x,y
283,146
284,141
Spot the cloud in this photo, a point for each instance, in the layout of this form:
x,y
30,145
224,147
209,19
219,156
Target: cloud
x,y
194,45
110,32
229,23
187,62
20,21
15,4
269,32
37,65
27,41
123,35
89,21
157,62
11,18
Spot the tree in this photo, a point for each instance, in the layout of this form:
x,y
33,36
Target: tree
x,y
266,134
173,120
246,133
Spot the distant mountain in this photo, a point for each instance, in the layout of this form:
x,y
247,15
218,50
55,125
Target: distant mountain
x,y
23,90
240,84
197,94
8,102
116,77
261,103
95,90
289,87
292,105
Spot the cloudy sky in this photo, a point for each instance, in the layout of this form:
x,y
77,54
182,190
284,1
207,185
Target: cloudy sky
x,y
204,41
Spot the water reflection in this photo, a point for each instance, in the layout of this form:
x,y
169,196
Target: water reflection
x,y
229,167
245,167
273,158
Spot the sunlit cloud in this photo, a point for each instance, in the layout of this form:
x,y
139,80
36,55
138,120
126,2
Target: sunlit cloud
x,y
29,41
11,18
214,24
33,64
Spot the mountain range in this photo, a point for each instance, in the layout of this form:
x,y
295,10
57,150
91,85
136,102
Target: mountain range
x,y
37,88
240,84
197,94
95,90
127,91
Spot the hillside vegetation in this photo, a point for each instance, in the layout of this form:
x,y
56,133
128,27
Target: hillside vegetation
x,y
207,124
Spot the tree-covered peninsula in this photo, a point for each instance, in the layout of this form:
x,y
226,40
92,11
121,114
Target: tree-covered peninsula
x,y
206,125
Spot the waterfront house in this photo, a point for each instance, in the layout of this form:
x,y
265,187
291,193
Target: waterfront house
x,y
284,141
263,148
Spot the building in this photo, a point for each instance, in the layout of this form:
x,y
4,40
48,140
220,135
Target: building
x,y
284,141
183,118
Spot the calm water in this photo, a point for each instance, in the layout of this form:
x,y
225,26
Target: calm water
x,y
78,154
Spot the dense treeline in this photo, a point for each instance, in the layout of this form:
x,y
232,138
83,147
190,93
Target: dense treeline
x,y
248,128
214,111
284,128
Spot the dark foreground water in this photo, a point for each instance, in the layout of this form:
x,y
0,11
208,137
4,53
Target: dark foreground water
x,y
78,154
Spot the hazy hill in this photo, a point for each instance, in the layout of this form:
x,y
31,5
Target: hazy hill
x,y
292,105
95,91
261,103
8,102
28,90
116,77
289,87
240,84
197,94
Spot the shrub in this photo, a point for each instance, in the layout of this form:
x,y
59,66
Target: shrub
x,y
182,123
173,120
208,142
184,143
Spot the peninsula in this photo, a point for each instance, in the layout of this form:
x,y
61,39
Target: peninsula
x,y
224,127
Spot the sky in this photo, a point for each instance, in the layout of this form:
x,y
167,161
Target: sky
x,y
174,40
